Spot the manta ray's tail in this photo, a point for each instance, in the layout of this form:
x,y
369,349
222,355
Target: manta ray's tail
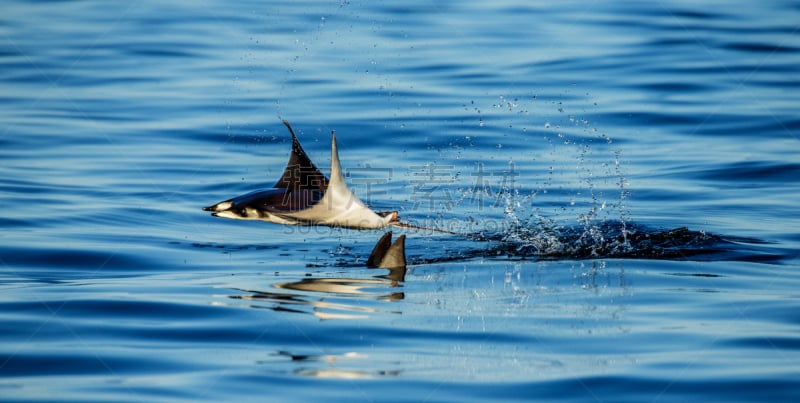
x,y
418,228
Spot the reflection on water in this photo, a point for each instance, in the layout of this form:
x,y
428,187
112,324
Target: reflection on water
x,y
312,295
330,366
322,297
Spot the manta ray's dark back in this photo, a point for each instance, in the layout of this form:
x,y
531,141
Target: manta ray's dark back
x,y
300,172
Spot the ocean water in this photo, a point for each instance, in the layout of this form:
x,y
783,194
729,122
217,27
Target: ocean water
x,y
625,176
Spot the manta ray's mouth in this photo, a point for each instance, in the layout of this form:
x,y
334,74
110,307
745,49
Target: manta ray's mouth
x,y
218,207
391,216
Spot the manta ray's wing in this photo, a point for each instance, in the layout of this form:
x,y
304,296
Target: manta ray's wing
x,y
301,186
300,172
396,255
392,256
339,207
388,255
379,251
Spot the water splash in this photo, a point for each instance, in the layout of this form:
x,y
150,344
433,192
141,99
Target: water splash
x,y
547,240
590,217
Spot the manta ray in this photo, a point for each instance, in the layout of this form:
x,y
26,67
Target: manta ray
x,y
304,196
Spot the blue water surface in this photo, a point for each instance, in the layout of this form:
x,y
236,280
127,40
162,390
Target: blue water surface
x,y
625,177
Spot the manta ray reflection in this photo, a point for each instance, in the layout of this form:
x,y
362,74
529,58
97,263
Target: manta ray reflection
x,y
304,196
310,294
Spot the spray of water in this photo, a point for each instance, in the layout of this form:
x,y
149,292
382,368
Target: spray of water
x,y
578,208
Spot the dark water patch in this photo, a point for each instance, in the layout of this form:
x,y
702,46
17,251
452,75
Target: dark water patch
x,y
575,388
697,15
702,72
130,309
678,41
215,334
717,124
137,322
441,68
779,83
765,342
779,125
6,222
677,87
755,47
80,262
609,240
752,256
311,81
637,388
62,363
654,118
760,171
25,187
146,50
409,11
710,275
234,248
768,311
